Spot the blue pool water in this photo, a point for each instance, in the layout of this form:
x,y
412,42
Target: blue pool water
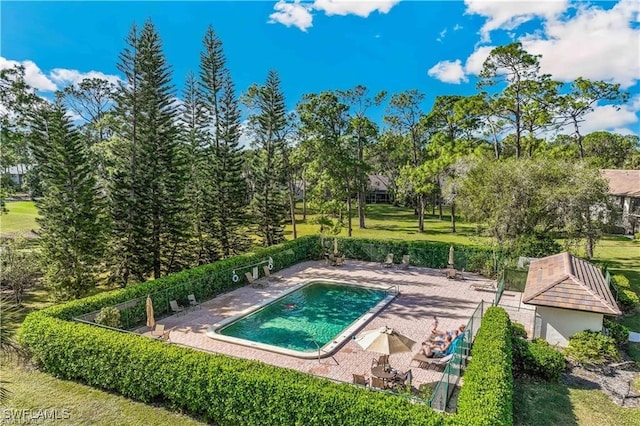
x,y
319,311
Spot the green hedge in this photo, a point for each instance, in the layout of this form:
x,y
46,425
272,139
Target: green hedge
x,y
537,359
205,282
486,397
421,253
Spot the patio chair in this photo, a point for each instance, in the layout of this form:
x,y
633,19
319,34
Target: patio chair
x,y
388,262
405,262
359,379
403,379
192,301
332,260
378,383
382,360
452,274
339,261
175,308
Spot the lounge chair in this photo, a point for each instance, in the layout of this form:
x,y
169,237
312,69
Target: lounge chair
x,y
267,274
175,308
339,261
426,362
359,379
192,301
388,262
405,262
452,274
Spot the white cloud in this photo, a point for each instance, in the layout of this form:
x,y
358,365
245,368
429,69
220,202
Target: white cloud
x,y
441,36
474,62
354,7
66,76
299,15
596,44
457,27
608,117
509,14
33,76
292,14
448,72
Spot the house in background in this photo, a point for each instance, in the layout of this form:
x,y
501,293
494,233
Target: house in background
x,y
378,190
624,186
16,173
569,294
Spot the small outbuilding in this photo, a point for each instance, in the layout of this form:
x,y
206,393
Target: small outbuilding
x,y
570,295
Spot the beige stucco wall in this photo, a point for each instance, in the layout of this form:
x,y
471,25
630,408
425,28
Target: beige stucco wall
x,y
557,325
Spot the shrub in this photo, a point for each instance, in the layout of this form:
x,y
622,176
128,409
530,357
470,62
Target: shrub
x,y
621,281
628,299
592,347
517,330
617,331
109,316
487,395
537,359
535,245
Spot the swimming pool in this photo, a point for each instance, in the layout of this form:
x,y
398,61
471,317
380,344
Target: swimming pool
x,y
320,314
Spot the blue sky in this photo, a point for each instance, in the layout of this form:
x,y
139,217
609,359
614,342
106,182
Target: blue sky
x,y
435,47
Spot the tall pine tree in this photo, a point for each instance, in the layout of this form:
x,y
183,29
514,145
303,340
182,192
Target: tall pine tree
x,y
196,141
148,182
72,211
227,199
268,124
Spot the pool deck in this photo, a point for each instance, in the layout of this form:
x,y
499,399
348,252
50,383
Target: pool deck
x,y
424,292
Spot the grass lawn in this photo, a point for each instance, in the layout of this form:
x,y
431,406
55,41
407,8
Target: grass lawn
x,y
384,221
542,404
21,218
33,390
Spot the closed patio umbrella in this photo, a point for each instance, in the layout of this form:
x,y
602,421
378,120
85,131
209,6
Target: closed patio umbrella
x,y
150,320
451,256
385,340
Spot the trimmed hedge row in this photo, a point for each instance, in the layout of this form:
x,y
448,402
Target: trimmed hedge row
x,y
421,253
204,282
486,398
223,390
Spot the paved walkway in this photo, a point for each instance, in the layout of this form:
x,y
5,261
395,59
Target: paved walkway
x,y
424,292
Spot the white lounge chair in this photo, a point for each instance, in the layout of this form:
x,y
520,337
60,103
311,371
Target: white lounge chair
x,y
192,301
388,262
175,308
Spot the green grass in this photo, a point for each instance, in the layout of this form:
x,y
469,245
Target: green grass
x,y
33,390
384,221
551,404
20,219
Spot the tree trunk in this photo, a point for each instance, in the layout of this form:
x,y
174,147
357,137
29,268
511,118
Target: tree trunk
x,y
578,138
421,205
304,200
453,217
361,208
349,225
292,208
590,243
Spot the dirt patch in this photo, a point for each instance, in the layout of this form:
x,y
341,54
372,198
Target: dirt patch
x,y
614,380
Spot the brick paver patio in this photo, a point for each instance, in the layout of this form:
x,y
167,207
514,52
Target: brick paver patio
x,y
424,292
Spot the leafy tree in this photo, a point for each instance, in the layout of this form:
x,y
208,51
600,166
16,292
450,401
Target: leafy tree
x,y
583,96
334,167
364,132
228,198
512,66
514,198
610,150
147,193
268,126
9,347
19,266
72,213
405,117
